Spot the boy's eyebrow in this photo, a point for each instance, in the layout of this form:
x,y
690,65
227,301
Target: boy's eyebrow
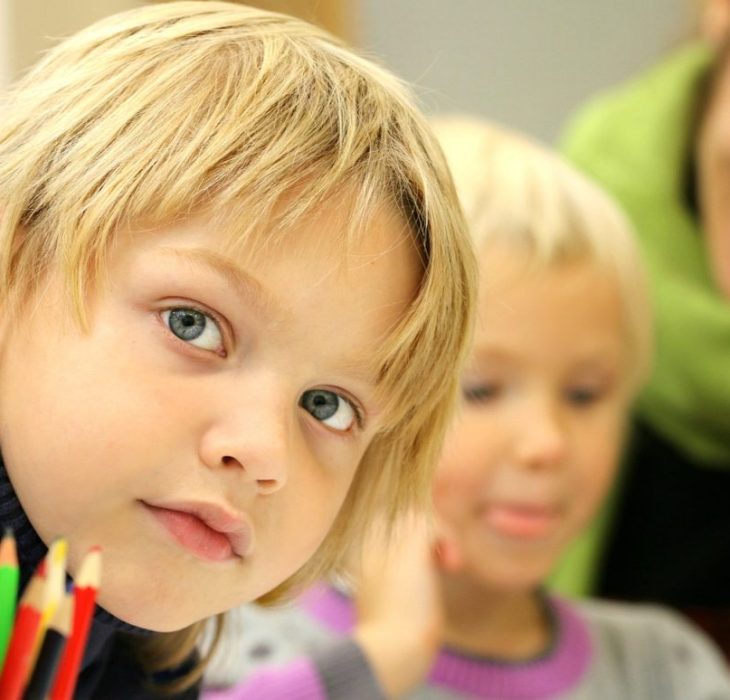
x,y
492,352
607,351
357,367
246,284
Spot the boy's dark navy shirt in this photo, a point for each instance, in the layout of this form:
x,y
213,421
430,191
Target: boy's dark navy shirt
x,y
108,670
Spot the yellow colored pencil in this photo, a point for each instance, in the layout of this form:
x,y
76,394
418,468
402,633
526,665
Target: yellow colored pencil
x,y
54,588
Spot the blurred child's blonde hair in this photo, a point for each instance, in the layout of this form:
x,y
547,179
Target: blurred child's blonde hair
x,y
517,192
187,107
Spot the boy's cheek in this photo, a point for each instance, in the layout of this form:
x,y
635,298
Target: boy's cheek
x,y
451,501
442,494
459,477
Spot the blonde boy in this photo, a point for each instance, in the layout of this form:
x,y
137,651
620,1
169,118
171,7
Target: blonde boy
x,y
236,289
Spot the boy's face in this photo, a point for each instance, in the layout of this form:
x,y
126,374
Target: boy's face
x,y
210,396
537,440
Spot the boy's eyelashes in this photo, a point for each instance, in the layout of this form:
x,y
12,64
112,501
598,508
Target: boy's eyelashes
x,y
584,396
202,330
480,393
580,396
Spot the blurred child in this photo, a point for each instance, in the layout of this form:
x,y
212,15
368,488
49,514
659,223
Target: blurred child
x,y
562,345
235,287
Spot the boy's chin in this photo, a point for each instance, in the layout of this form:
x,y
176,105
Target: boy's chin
x,y
148,614
510,577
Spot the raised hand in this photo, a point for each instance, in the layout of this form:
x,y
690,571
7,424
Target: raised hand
x,y
398,601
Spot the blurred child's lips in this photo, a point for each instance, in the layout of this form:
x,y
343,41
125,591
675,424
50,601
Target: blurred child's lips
x,y
521,521
207,530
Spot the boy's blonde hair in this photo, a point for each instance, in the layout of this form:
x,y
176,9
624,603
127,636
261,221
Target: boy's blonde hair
x,y
517,192
186,107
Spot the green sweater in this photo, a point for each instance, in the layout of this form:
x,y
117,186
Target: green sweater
x,y
635,142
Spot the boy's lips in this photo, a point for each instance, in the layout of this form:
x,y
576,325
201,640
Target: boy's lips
x,y
520,520
208,530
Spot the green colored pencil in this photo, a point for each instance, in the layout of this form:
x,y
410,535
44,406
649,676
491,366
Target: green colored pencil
x,y
8,589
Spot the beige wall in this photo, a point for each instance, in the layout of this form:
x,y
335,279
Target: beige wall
x,y
5,50
31,26
527,63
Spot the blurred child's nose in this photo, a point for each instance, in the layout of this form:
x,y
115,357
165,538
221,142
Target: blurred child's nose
x,y
251,433
541,436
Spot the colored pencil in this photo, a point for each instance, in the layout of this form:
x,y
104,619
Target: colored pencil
x,y
53,591
85,588
8,589
17,662
49,657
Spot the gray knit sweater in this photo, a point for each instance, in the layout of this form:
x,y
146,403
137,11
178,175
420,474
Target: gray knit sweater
x,y
601,651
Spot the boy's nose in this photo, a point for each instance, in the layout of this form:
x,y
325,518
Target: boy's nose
x,y
251,436
542,441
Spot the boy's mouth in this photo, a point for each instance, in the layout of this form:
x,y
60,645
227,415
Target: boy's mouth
x,y
207,530
521,521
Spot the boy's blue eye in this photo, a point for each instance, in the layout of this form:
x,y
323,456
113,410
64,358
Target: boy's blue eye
x,y
193,327
480,393
186,324
580,396
329,408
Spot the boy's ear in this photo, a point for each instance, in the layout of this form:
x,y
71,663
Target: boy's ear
x,y
446,548
715,21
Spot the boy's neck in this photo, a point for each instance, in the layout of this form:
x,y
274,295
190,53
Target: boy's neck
x,y
504,625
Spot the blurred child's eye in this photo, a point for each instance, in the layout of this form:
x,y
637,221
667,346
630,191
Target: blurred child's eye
x,y
583,396
194,327
480,393
329,408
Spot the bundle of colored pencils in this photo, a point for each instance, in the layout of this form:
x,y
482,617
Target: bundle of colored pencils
x,y
42,643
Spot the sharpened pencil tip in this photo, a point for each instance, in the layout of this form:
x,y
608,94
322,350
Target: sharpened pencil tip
x,y
59,550
8,552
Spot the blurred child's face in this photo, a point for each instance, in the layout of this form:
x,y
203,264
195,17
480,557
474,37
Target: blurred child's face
x,y
538,437
206,429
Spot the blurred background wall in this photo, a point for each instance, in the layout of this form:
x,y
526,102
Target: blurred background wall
x,y
527,63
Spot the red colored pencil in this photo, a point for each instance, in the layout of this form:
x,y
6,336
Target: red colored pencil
x,y
17,661
85,588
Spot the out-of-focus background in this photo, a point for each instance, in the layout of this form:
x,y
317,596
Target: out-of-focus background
x,y
527,63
